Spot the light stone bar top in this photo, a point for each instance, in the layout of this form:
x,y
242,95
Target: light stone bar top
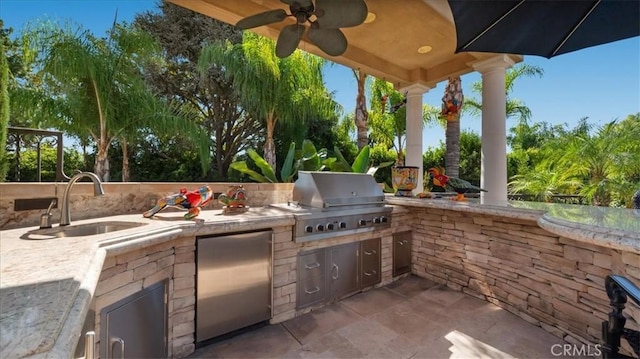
x,y
617,228
46,286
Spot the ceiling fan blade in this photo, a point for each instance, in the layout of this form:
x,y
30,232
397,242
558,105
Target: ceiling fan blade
x,y
332,14
331,41
263,18
303,3
289,39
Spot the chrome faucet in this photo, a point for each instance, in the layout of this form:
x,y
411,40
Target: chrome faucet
x,y
65,215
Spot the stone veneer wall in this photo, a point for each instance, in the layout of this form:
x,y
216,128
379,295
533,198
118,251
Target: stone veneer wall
x,y
551,281
285,261
125,274
119,198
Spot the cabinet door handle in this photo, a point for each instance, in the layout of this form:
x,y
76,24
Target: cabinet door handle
x,y
402,243
115,341
369,274
312,265
373,251
337,271
312,291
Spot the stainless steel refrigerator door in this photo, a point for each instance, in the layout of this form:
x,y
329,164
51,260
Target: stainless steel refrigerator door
x,y
136,326
233,282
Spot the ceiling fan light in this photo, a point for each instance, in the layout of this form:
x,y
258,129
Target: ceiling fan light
x,y
370,18
424,49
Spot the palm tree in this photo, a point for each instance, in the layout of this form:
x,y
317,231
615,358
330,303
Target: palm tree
x,y
387,118
515,107
452,102
601,159
93,76
544,180
276,89
388,127
361,117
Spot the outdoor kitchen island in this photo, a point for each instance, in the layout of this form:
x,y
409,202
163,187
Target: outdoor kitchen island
x,y
500,254
51,287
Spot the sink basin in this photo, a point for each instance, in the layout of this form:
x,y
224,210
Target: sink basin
x,y
81,230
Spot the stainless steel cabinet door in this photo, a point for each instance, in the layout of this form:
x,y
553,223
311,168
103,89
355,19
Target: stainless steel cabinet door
x,y
233,282
401,253
343,269
370,262
311,278
136,327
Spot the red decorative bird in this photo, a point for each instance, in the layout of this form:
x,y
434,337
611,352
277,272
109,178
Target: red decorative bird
x,y
454,184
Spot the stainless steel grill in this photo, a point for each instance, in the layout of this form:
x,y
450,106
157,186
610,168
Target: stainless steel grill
x,y
330,204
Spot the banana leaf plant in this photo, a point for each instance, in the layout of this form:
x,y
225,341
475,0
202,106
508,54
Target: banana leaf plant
x,y
360,164
310,159
307,159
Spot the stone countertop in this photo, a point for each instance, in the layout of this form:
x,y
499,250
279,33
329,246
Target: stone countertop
x,y
617,228
46,286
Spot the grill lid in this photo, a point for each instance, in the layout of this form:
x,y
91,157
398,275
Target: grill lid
x,y
337,190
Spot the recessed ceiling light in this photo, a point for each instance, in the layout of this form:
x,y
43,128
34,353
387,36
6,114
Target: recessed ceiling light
x,y
424,49
370,17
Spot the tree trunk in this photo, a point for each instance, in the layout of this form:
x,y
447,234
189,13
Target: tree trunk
x,y
269,145
361,116
452,102
102,159
126,173
452,154
219,151
102,162
16,175
400,159
4,112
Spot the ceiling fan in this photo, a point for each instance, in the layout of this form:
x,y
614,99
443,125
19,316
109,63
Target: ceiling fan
x,y
325,19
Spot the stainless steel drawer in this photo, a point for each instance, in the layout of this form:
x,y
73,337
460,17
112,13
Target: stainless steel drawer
x,y
311,263
370,262
311,290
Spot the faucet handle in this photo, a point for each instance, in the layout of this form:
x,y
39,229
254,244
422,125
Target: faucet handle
x,y
45,218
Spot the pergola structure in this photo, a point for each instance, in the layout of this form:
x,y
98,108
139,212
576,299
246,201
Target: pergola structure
x,y
410,43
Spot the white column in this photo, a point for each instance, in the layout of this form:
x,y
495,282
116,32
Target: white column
x,y
493,173
414,120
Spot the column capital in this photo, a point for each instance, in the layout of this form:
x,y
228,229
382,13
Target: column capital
x,y
416,89
494,63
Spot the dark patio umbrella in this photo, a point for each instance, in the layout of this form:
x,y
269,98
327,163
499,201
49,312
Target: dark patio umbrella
x,y
544,28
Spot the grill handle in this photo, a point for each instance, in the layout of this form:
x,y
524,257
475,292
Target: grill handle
x,y
328,204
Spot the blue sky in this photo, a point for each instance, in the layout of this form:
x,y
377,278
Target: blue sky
x,y
601,83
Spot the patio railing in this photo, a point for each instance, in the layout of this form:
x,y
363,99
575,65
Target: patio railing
x,y
619,289
556,198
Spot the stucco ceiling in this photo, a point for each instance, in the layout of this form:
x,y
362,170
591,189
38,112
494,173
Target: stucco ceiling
x,y
385,48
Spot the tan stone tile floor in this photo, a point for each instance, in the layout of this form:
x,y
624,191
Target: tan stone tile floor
x,y
410,318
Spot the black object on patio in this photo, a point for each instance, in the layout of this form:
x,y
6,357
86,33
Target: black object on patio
x,y
619,288
543,28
